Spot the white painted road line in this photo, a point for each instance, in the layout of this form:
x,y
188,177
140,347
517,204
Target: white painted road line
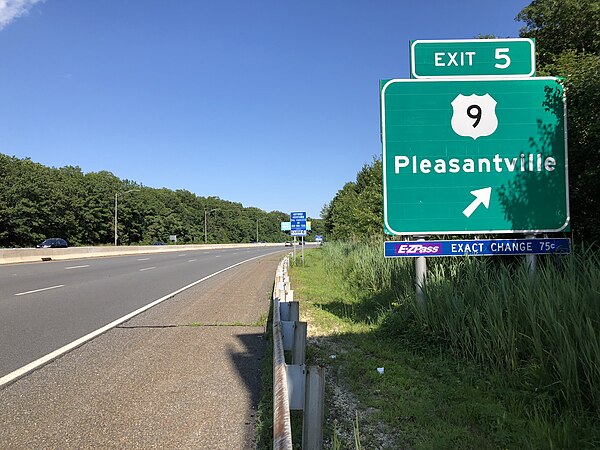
x,y
217,256
40,290
192,260
77,267
13,376
147,268
143,259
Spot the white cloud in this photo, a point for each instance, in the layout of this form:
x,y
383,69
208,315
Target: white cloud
x,y
11,9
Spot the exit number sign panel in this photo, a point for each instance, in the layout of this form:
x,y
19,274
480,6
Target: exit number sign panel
x,y
487,58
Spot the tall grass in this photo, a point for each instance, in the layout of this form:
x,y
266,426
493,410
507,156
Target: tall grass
x,y
365,269
542,333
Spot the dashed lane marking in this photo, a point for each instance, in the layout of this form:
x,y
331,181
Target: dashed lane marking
x,y
40,290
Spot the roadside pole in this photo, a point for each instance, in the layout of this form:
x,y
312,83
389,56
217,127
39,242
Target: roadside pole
x,y
531,260
421,277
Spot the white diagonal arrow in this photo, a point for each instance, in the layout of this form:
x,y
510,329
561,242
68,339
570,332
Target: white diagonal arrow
x,y
482,196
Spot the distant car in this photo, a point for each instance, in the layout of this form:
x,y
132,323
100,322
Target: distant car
x,y
158,243
288,244
53,243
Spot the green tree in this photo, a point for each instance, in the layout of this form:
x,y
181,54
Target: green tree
x,y
567,34
37,202
562,25
26,202
356,210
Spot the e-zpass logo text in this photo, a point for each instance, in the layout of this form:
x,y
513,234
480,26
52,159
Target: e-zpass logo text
x,y
418,249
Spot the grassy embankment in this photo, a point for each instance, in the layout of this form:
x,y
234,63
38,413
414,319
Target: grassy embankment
x,y
492,360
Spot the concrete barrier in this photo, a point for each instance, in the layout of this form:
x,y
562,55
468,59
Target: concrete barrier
x,y
23,255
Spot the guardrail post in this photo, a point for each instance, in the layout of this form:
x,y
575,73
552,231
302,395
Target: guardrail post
x,y
294,311
289,311
299,348
281,291
296,380
314,408
284,311
287,334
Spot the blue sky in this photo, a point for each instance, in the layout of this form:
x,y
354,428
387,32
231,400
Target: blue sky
x,y
273,104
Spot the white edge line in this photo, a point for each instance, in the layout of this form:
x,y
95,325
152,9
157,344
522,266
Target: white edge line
x,y
40,290
147,268
21,372
77,267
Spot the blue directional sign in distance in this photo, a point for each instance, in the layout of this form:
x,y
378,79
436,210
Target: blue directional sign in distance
x,y
298,220
478,247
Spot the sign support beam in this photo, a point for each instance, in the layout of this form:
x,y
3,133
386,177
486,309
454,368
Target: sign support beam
x,y
421,277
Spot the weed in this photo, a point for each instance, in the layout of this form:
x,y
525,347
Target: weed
x,y
492,359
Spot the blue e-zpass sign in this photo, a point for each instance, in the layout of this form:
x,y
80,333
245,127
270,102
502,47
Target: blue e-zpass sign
x,y
478,247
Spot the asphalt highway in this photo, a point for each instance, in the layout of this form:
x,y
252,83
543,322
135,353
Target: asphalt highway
x,y
44,306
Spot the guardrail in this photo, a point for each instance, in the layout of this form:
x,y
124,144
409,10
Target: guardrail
x,y
295,386
21,255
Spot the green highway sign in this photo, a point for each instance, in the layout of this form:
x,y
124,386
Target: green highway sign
x,y
287,226
487,58
474,156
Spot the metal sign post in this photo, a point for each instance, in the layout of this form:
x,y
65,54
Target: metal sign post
x,y
421,277
531,260
300,233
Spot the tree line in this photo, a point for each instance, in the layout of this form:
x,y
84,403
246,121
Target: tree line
x,y
567,39
38,202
